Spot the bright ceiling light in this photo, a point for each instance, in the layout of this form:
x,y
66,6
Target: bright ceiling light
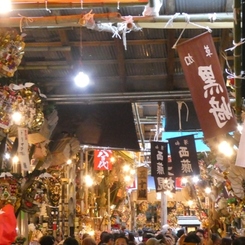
x,y
5,6
81,80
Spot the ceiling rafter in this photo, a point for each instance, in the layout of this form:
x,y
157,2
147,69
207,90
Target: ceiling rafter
x,y
65,43
53,45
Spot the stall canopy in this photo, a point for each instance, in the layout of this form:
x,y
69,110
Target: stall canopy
x,y
102,125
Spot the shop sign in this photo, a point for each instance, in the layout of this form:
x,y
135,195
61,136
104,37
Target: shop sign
x,y
102,160
184,156
205,80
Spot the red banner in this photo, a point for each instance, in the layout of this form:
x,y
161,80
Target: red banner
x,y
204,77
102,160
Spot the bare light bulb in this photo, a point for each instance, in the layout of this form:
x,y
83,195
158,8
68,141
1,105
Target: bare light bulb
x,y
15,159
126,168
16,116
81,80
88,181
5,6
225,148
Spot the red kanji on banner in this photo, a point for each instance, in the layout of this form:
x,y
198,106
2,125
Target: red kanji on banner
x,y
102,160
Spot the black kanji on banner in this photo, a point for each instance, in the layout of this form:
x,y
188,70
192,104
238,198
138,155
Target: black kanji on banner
x,y
159,159
184,156
142,174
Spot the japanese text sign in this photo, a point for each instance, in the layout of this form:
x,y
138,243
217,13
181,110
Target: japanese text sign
x,y
204,77
184,156
102,160
164,184
142,178
23,151
159,159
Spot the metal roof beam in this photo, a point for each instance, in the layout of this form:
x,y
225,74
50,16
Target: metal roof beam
x,y
217,20
119,97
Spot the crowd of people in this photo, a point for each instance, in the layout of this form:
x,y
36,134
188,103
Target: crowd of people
x,y
163,237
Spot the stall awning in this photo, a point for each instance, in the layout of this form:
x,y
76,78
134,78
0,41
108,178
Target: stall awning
x,y
188,221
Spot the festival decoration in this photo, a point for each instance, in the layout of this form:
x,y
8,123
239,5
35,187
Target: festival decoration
x,y
121,29
27,101
11,51
236,176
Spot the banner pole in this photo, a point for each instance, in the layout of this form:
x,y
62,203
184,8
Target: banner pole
x,y
109,205
237,58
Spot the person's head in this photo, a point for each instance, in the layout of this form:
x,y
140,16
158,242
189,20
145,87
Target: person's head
x,y
70,241
239,241
109,239
147,236
192,238
131,236
200,233
216,239
47,240
88,241
180,233
121,240
85,235
169,239
226,241
102,235
152,241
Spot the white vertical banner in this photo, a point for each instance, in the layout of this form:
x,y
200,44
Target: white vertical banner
x,y
240,158
23,152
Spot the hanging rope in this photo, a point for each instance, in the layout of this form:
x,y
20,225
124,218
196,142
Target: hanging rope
x,y
236,45
180,103
187,20
25,20
46,7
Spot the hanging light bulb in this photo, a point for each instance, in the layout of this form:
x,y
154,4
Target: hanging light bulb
x,y
225,148
15,159
81,79
69,161
5,6
16,116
